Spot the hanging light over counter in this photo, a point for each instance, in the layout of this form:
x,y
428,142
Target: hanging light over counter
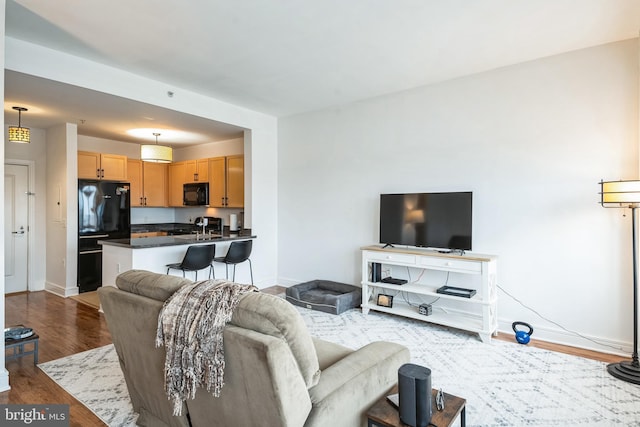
x,y
156,153
19,134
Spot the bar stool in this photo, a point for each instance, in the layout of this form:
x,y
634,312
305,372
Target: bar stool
x,y
197,258
239,252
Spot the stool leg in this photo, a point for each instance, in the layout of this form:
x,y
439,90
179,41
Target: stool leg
x,y
35,354
250,270
226,269
234,273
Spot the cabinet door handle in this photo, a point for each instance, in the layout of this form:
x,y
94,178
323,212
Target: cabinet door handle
x,y
141,201
145,201
195,176
222,201
98,173
101,173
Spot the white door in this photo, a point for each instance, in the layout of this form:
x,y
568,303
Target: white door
x,y
16,211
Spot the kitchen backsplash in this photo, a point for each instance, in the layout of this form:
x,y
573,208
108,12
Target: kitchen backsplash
x,y
179,215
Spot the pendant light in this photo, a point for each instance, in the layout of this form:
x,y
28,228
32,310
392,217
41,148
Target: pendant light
x,y
156,153
19,134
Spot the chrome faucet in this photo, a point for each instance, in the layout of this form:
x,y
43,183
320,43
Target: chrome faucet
x,y
203,222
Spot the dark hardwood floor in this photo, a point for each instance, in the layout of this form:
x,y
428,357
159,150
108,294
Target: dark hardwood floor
x,y
67,326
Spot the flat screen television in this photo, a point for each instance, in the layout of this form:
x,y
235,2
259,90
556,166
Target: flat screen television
x,y
431,220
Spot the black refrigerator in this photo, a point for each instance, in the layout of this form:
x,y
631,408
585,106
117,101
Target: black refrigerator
x,y
104,212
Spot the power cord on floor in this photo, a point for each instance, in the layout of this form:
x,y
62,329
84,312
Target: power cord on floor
x,y
556,323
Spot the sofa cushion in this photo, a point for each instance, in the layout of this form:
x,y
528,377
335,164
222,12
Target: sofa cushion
x,y
151,285
274,316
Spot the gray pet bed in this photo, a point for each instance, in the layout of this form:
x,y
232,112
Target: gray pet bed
x,y
324,295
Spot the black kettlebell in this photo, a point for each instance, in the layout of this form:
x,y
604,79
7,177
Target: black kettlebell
x,y
522,337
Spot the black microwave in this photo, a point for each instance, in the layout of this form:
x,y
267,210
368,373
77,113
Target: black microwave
x,y
195,194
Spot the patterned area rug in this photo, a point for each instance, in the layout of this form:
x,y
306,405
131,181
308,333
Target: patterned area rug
x,y
505,384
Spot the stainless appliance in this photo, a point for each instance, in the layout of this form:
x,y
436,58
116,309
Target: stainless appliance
x,y
195,194
104,212
214,224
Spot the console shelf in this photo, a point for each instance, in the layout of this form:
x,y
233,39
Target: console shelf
x,y
476,314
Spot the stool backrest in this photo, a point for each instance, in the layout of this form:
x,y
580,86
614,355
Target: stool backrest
x,y
239,251
199,257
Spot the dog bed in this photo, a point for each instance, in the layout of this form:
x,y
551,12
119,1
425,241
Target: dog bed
x,y
325,295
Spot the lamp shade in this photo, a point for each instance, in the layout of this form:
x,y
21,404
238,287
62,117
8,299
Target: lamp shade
x,y
617,194
19,134
156,153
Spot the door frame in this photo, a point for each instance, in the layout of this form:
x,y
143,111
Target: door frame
x,y
31,210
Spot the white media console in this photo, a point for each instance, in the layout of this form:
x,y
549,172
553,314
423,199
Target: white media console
x,y
426,271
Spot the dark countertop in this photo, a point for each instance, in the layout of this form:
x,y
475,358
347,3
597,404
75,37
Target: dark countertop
x,y
185,239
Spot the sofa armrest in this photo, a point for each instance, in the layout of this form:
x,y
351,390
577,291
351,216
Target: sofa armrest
x,y
354,383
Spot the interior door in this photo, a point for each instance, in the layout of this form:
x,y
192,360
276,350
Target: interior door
x,y
16,212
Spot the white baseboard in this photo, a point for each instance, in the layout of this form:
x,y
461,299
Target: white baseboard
x,y
562,337
60,290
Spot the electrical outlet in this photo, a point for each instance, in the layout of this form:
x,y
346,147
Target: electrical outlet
x,y
118,267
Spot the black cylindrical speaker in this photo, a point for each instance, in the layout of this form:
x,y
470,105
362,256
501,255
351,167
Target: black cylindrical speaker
x,y
376,272
414,389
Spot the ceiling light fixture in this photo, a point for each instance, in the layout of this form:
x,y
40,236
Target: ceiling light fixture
x,y
156,153
18,133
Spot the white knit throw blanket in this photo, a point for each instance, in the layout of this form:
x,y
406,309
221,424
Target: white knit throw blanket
x,y
191,327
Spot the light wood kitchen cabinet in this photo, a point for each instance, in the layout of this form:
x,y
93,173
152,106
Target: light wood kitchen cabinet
x,y
226,182
155,176
111,167
177,173
235,181
197,170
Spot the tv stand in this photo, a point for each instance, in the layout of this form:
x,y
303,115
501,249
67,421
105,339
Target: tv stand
x,y
473,271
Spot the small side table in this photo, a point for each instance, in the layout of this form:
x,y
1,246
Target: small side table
x,y
384,414
18,348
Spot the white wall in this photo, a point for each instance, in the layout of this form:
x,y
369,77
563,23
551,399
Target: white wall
x,y
35,60
62,210
531,141
35,152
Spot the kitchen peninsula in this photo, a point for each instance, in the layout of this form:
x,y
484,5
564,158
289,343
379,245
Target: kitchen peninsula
x,y
154,253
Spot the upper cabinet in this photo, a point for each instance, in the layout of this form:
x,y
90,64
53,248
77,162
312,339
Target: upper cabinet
x,y
197,170
111,167
226,182
177,173
149,183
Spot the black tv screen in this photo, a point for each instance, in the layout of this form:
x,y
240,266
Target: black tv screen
x,y
432,220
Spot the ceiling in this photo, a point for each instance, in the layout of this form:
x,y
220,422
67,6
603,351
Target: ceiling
x,y
284,57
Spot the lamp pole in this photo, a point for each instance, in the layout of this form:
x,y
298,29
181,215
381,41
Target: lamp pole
x,y
626,194
625,370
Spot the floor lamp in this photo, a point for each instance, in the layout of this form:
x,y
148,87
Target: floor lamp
x,y
626,194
